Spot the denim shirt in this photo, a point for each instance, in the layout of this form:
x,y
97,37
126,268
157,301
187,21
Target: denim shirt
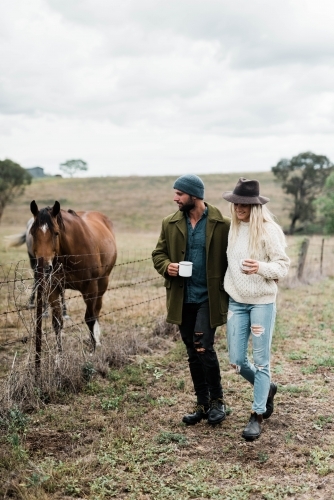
x,y
196,290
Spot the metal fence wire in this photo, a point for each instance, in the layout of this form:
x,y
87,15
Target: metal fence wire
x,y
135,297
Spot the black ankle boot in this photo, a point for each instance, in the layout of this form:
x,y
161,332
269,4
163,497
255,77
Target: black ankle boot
x,y
200,413
270,401
216,412
253,428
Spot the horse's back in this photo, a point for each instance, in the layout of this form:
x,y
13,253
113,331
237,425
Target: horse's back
x,y
102,232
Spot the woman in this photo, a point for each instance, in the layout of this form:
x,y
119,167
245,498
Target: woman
x,y
256,261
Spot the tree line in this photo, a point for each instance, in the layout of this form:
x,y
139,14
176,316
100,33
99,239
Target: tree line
x,y
307,179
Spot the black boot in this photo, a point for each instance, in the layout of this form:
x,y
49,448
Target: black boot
x,y
200,413
270,401
253,428
216,412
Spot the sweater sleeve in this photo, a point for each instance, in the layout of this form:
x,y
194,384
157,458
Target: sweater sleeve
x,y
277,263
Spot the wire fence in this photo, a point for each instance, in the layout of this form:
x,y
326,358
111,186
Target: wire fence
x,y
134,300
311,259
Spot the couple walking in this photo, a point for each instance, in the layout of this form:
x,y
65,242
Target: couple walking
x,y
237,262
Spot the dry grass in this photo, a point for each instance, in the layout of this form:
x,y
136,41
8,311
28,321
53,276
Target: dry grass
x,y
108,424
122,437
132,203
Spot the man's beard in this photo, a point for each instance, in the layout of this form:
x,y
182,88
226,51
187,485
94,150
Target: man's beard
x,y
186,207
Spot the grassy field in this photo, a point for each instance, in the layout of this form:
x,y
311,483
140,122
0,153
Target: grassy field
x,y
132,203
112,427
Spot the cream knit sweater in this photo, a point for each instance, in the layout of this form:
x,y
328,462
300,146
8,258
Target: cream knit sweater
x,y
259,288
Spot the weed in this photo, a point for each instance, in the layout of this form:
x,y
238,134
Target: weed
x,y
162,401
263,457
114,375
292,389
171,437
288,437
15,421
88,371
111,403
308,369
297,356
36,479
73,489
181,385
104,487
325,361
322,460
158,373
322,422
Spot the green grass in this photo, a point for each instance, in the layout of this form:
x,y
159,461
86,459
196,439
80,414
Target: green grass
x,y
121,436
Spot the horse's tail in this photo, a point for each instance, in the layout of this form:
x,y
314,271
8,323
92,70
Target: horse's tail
x,y
16,240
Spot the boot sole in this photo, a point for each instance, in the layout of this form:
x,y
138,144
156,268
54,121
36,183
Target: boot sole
x,y
217,421
250,438
194,422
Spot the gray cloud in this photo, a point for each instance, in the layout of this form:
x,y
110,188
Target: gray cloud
x,y
215,69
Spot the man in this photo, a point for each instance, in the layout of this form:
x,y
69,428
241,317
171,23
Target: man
x,y
197,232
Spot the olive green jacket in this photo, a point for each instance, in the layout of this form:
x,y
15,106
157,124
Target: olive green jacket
x,y
171,247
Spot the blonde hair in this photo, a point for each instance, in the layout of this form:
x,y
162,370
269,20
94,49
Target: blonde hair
x,y
259,215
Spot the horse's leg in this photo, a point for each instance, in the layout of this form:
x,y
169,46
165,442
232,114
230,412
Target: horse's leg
x,y
63,302
33,265
57,317
93,300
102,287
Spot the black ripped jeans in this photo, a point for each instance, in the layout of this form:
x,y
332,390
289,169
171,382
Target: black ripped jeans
x,y
203,363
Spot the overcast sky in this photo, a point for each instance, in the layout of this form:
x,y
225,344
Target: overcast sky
x,y
152,87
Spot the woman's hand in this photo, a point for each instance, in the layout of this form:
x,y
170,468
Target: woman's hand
x,y
250,266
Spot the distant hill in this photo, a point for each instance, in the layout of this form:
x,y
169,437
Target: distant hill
x,y
134,203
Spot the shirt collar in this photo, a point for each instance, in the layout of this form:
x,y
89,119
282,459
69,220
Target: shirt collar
x,y
205,213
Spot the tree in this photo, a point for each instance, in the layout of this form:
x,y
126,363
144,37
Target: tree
x,y
303,177
13,179
326,204
70,167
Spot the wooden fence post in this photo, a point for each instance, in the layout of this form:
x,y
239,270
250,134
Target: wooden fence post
x,y
302,257
322,254
39,315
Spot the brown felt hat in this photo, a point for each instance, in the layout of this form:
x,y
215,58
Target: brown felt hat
x,y
246,192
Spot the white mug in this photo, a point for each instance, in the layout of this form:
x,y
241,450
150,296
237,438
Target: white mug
x,y
185,268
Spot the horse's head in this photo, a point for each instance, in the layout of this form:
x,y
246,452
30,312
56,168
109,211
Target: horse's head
x,y
45,232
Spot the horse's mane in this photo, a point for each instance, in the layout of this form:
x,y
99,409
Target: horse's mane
x,y
44,217
72,212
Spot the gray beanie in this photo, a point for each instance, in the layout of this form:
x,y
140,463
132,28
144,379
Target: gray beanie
x,y
190,184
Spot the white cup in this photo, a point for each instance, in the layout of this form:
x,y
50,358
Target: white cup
x,y
185,268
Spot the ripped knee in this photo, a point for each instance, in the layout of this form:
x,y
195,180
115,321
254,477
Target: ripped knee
x,y
198,344
257,330
236,367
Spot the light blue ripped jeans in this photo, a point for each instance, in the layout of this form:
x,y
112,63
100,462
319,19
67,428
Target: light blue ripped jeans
x,y
258,320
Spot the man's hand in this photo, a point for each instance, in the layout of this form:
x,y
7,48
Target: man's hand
x,y
173,269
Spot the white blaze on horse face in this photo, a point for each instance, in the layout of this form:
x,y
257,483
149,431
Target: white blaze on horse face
x,y
43,245
97,333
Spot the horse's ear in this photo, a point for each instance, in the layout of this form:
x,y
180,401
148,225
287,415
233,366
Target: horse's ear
x,y
55,209
34,208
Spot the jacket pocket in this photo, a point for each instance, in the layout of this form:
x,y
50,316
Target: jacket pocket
x,y
223,303
167,283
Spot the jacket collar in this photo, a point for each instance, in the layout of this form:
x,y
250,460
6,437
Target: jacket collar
x,y
213,214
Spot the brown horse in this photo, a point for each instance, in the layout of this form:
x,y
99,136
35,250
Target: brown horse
x,y
79,252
